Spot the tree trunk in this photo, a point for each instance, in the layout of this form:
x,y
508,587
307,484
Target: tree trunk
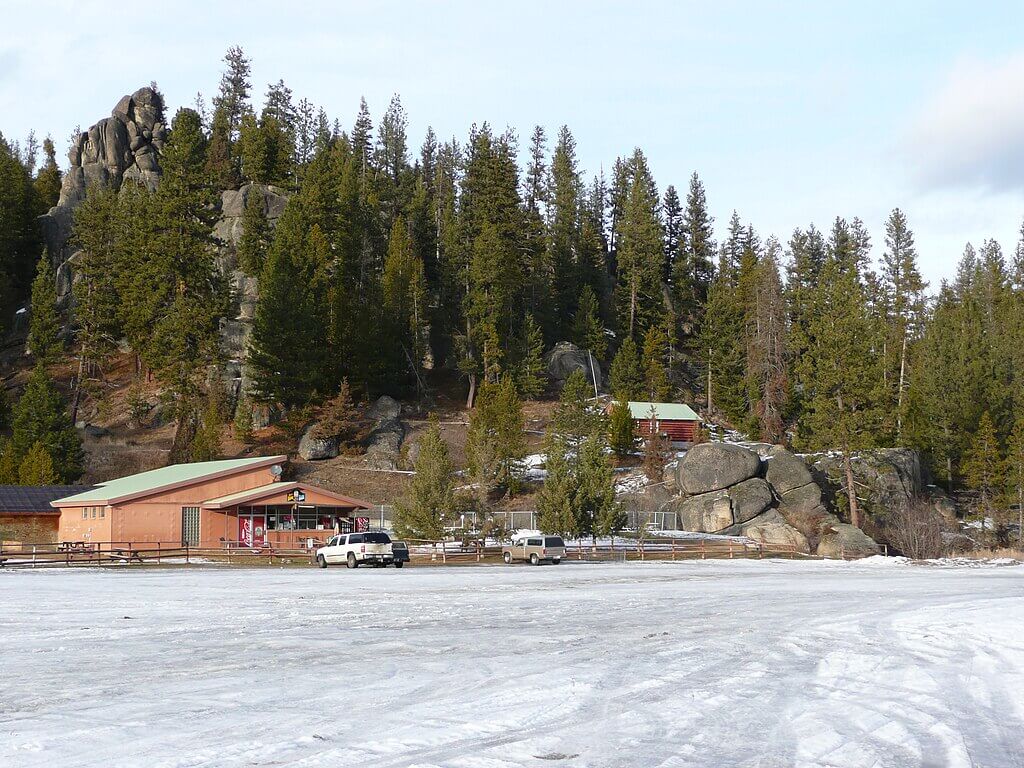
x,y
472,390
899,394
851,490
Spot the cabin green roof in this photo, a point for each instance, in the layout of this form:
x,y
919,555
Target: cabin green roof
x,y
173,476
663,411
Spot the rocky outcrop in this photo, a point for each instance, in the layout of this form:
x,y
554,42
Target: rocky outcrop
x,y
771,528
769,495
384,443
126,145
565,357
845,540
710,467
313,447
888,480
236,328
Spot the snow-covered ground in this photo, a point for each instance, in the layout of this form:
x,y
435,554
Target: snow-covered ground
x,y
716,663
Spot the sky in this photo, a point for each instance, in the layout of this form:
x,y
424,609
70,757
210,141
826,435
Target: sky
x,y
790,112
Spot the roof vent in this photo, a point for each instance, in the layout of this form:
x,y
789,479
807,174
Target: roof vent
x,y
276,471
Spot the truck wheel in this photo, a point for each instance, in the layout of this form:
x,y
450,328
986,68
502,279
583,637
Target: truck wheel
x,y
399,563
557,560
507,557
321,561
534,560
351,561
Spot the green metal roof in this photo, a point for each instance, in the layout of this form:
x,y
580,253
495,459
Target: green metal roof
x,y
156,479
666,411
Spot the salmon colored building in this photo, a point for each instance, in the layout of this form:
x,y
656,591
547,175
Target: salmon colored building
x,y
230,503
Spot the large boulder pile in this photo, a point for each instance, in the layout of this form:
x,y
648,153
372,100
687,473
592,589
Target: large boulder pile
x,y
771,498
565,357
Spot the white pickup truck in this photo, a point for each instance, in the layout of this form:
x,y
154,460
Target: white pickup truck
x,y
355,549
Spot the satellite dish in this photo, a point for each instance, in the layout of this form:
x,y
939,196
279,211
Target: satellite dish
x,y
276,470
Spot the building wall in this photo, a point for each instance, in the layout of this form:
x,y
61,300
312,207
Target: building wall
x,y
75,527
156,517
677,431
31,529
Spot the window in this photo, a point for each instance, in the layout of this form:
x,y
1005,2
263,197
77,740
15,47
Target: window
x,y
190,525
376,538
85,513
92,512
535,542
355,538
103,512
554,541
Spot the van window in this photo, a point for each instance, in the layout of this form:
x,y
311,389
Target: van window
x,y
534,543
355,538
554,541
376,538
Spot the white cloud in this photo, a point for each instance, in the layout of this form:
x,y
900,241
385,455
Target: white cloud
x,y
970,133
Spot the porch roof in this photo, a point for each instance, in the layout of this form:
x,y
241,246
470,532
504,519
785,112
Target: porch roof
x,y
253,495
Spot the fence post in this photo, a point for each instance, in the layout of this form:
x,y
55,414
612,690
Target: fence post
x,y
186,553
673,549
730,550
444,554
760,550
703,554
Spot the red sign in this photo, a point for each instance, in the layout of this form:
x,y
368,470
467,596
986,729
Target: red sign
x,y
362,524
252,531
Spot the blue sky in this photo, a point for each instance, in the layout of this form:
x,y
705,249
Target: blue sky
x,y
790,112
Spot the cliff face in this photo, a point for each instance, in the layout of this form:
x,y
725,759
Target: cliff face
x,y
236,328
126,145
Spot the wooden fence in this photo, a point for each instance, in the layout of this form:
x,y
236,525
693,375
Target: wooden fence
x,y
22,555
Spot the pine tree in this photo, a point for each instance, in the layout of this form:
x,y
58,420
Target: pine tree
x,y
48,180
44,329
427,507
405,292
8,463
595,506
656,449
587,330
626,379
495,444
555,500
221,163
255,239
233,97
99,224
767,349
564,231
289,338
1015,473
574,417
206,445
655,356
621,435
40,417
840,409
37,467
904,290
530,368
984,469
640,253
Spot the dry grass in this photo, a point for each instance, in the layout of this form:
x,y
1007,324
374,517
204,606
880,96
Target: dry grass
x,y
994,553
